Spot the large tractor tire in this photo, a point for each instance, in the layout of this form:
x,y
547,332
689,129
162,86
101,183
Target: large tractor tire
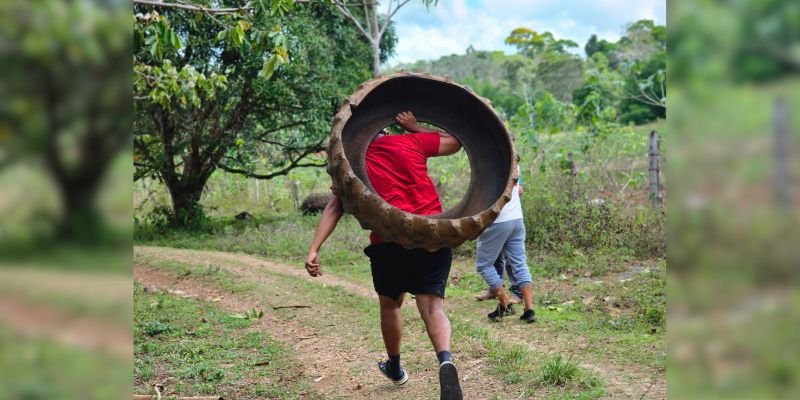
x,y
446,104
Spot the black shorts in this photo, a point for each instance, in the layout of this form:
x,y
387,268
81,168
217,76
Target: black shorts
x,y
396,270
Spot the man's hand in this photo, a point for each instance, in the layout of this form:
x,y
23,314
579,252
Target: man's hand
x,y
448,144
312,264
408,121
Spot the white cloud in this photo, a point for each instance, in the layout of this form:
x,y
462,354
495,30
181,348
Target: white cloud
x,y
453,25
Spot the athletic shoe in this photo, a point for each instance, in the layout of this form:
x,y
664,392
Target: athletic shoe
x,y
528,316
485,296
383,365
501,312
449,387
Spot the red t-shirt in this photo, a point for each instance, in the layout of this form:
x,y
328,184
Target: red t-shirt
x,y
397,167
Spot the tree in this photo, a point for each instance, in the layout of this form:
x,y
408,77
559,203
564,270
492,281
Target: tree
x,y
601,90
608,49
553,68
533,44
646,90
246,91
66,98
373,26
642,39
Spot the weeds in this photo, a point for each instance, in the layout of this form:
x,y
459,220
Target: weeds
x,y
558,371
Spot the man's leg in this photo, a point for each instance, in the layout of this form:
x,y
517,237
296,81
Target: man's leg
x,y
514,284
515,255
498,266
391,323
490,244
436,322
438,326
392,331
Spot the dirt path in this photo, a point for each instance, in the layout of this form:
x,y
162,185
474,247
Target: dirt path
x,y
38,321
251,267
325,347
29,306
346,371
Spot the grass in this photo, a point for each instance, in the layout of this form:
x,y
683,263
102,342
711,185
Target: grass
x,y
642,300
354,318
39,369
208,351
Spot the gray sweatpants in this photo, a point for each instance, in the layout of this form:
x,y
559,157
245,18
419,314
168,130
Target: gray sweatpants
x,y
508,237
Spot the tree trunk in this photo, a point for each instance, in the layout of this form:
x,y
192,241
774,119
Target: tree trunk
x,y
80,219
376,56
186,203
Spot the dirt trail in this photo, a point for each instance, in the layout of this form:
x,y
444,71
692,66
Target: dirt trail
x,y
323,348
251,267
346,371
26,308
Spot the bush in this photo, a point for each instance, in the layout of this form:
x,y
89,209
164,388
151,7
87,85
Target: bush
x,y
558,221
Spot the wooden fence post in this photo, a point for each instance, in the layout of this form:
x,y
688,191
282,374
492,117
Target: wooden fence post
x,y
295,186
255,186
782,180
655,170
572,174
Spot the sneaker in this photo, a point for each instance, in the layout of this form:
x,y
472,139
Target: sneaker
x,y
397,379
501,312
488,295
528,316
450,389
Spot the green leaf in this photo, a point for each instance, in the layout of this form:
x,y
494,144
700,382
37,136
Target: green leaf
x,y
269,66
282,55
175,40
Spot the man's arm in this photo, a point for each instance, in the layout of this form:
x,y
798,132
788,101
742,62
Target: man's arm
x,y
448,144
327,223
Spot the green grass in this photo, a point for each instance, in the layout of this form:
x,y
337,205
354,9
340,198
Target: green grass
x,y
515,364
209,351
625,335
39,369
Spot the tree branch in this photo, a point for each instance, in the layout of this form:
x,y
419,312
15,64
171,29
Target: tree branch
x,y
285,171
194,7
292,165
390,15
260,135
343,8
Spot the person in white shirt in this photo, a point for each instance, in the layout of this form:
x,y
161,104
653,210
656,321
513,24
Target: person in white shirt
x,y
507,236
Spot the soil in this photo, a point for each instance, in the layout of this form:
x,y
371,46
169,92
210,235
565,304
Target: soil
x,y
350,372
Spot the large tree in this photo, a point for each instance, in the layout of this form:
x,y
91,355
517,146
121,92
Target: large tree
x,y
249,91
65,98
547,64
372,25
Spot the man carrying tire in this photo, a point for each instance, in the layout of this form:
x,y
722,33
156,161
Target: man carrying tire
x,y
397,169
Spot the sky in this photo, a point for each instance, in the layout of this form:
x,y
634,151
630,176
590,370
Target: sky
x,y
453,25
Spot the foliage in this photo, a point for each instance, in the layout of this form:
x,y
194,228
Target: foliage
x,y
65,100
250,92
646,93
756,42
532,44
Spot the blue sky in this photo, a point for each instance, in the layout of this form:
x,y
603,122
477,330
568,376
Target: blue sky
x,y
453,25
